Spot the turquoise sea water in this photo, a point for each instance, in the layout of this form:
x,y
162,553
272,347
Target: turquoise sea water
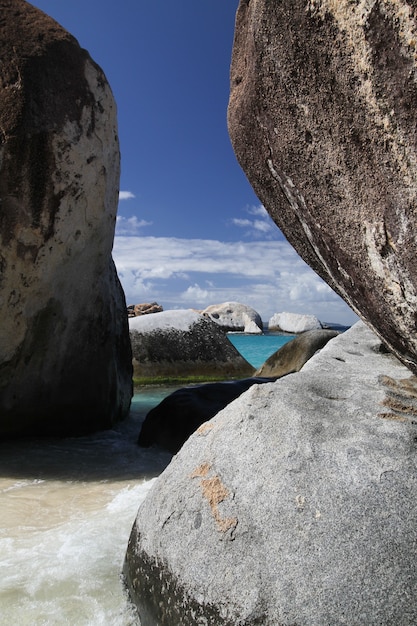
x,y
258,348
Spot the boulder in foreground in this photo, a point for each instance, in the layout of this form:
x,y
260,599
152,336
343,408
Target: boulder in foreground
x,y
65,357
183,343
296,504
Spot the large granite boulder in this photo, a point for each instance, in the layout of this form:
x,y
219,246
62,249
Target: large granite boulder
x,y
293,322
323,120
296,504
65,358
235,316
172,421
295,353
183,343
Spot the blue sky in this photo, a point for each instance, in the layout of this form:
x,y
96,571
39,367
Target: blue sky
x,y
190,230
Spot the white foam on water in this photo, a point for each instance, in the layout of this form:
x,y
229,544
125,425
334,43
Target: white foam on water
x,y
68,572
67,507
19,484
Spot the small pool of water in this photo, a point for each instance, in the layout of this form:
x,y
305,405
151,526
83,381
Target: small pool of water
x,y
256,349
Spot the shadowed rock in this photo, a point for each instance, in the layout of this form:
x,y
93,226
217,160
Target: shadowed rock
x,y
294,354
323,120
183,343
180,414
65,358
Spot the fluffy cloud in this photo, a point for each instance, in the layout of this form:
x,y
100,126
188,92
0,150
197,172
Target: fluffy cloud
x,y
259,224
195,293
126,195
267,275
129,225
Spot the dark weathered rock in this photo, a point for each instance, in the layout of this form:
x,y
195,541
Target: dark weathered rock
x,y
169,424
296,504
183,343
65,358
294,354
323,120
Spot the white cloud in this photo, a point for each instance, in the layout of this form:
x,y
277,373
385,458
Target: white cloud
x,y
126,195
194,293
267,275
129,225
258,210
169,256
241,222
262,225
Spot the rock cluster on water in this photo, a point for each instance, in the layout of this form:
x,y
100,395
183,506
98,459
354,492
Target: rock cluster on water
x,y
235,316
294,505
183,343
323,119
65,358
293,322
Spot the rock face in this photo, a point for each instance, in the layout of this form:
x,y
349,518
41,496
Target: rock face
x,y
234,316
323,120
183,343
169,424
295,354
293,322
294,505
65,359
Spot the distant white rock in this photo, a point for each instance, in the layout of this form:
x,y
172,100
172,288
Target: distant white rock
x,y
251,327
293,322
234,316
179,319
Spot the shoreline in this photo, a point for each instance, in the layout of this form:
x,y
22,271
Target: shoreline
x,y
150,381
